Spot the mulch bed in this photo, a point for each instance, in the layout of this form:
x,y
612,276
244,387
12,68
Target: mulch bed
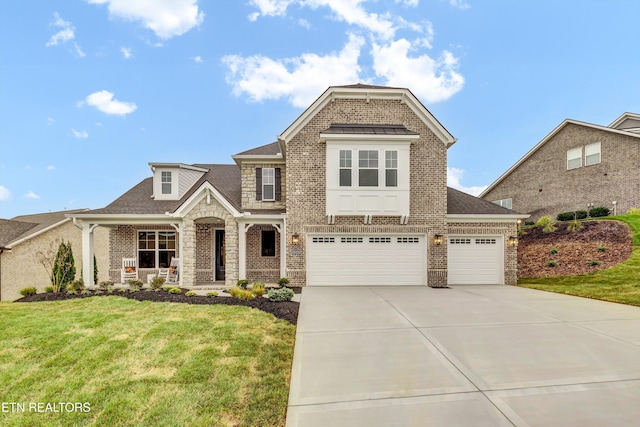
x,y
287,310
575,249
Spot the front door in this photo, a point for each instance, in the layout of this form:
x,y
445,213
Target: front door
x,y
219,255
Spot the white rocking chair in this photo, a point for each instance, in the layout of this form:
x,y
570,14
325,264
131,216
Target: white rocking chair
x,y
173,273
129,270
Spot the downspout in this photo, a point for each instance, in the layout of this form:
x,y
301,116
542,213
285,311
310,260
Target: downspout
x,y
2,249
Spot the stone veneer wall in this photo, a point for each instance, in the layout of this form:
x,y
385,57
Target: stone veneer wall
x,y
262,268
506,229
542,185
21,268
306,189
248,171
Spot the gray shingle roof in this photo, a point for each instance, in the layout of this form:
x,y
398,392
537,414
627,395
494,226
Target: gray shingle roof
x,y
338,128
364,86
463,203
23,226
138,201
268,149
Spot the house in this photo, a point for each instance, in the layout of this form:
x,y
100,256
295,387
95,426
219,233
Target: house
x,y
353,192
24,238
577,166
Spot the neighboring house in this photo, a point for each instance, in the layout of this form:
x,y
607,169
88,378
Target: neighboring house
x,y
24,238
578,165
352,193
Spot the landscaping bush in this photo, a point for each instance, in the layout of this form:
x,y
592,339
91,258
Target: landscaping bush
x,y
191,294
553,251
529,223
258,289
282,294
633,211
552,263
241,294
157,283
594,262
242,283
48,289
598,211
30,290
175,290
105,285
76,285
167,287
212,294
548,226
283,282
568,216
602,248
574,226
135,284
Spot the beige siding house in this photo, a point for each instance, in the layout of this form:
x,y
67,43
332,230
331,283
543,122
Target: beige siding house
x,y
23,238
353,192
578,165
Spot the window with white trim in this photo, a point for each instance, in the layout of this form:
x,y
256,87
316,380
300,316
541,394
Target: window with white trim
x,y
165,179
592,154
268,184
156,248
574,158
368,168
345,168
505,203
391,168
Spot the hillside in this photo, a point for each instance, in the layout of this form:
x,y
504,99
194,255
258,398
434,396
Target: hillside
x,y
598,245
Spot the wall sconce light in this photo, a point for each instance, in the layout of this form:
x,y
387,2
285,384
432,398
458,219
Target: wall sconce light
x,y
512,241
295,238
437,239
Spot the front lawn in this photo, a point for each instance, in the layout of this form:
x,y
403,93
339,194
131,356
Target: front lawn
x,y
620,283
143,364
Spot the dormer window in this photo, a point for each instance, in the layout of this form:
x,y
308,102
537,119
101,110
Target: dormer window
x,y
268,182
166,182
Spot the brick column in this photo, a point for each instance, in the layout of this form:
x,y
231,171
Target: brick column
x,y
188,253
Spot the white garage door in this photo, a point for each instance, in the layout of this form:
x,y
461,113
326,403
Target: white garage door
x,y
475,260
363,260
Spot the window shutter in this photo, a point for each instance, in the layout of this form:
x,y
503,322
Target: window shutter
x,y
258,183
278,185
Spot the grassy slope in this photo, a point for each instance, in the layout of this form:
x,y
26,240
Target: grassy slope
x,y
618,284
142,364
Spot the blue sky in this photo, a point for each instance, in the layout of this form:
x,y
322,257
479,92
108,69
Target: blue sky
x,y
93,90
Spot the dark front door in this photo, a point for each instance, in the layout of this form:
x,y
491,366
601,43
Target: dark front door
x,y
219,261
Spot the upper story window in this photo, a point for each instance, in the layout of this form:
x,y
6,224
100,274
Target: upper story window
x,y
345,168
505,203
391,168
268,183
592,154
574,158
368,168
166,182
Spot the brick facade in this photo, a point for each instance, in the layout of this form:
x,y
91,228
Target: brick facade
x,y
542,185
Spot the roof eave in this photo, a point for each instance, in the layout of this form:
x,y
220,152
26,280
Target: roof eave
x,y
485,217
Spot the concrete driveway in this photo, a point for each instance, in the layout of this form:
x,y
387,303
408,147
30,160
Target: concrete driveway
x,y
463,356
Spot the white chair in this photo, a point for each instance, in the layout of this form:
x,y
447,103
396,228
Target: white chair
x,y
173,273
129,270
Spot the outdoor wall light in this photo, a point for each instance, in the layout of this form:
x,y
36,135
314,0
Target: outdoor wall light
x,y
437,239
512,241
295,238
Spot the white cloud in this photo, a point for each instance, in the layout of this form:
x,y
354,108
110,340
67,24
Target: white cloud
x,y
5,194
198,59
300,79
50,121
412,3
66,34
430,79
79,134
51,168
460,4
269,8
103,100
454,176
31,195
127,52
166,18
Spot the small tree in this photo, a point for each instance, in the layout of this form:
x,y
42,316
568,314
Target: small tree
x,y
59,264
95,270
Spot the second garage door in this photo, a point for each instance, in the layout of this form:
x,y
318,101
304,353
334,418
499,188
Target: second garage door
x,y
475,260
365,260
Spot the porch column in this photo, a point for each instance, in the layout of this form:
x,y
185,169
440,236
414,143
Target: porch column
x,y
242,249
282,229
87,253
188,253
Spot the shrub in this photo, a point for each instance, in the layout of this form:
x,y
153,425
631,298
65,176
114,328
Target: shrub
x,y
594,262
191,294
529,223
548,226
241,294
258,289
282,294
72,292
105,285
598,211
568,216
212,294
633,211
76,285
85,292
48,289
602,248
283,282
175,290
30,290
64,268
157,283
574,226
242,283
135,284
552,263
553,251
167,287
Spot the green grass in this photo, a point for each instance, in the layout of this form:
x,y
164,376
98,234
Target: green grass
x,y
620,283
144,364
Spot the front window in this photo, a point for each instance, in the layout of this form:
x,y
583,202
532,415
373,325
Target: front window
x,y
391,168
592,154
156,248
268,184
368,168
574,158
166,182
345,168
